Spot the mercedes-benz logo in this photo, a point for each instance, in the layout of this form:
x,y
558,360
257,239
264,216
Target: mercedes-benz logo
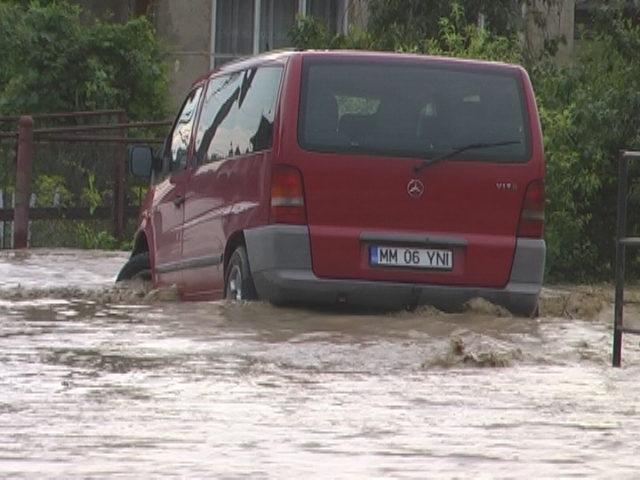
x,y
415,188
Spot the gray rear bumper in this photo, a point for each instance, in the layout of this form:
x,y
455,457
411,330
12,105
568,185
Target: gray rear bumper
x,y
280,262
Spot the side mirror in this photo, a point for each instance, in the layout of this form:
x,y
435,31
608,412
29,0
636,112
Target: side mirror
x,y
141,160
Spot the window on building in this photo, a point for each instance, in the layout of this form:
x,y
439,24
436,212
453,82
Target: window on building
x,y
234,30
326,11
237,115
246,27
277,17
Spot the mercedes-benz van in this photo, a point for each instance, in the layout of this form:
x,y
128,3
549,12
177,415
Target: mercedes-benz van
x,y
356,178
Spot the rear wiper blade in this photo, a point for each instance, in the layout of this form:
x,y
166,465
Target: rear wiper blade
x,y
472,146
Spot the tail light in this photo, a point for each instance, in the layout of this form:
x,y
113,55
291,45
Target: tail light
x,y
287,196
532,216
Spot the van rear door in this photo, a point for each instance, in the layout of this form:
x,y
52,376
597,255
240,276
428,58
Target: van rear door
x,y
364,129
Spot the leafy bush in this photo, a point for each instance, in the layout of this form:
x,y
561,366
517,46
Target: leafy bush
x,y
589,111
456,37
409,22
52,61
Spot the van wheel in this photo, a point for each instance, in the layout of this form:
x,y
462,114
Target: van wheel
x,y
238,284
137,268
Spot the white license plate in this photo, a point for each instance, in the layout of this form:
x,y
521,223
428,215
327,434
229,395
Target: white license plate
x,y
428,258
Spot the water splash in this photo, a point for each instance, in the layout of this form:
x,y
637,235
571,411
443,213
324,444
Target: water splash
x,y
475,351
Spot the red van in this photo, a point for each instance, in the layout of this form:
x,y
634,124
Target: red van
x,y
357,178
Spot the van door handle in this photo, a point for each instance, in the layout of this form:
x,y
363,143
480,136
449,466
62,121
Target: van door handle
x,y
178,201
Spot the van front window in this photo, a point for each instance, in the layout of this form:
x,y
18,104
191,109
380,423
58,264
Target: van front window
x,y
413,109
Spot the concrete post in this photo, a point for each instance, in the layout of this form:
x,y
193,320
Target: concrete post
x,y
23,183
1,223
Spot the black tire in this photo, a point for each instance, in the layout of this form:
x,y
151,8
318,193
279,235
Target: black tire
x,y
138,267
238,282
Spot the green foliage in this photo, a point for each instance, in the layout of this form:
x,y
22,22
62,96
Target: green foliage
x,y
100,240
571,255
91,195
55,62
589,111
51,188
452,35
409,22
460,39
309,33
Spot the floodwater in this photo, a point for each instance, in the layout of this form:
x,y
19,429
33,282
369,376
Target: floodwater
x,y
98,381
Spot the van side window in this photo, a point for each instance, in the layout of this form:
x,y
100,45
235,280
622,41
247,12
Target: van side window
x,y
238,113
180,136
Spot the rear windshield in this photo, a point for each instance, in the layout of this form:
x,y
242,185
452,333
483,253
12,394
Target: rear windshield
x,y
383,107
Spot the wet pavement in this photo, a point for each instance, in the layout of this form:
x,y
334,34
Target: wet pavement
x,y
105,382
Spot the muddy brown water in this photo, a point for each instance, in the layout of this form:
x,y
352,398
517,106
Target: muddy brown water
x,y
98,381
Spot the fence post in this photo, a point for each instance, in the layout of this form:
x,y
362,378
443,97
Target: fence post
x,y
32,203
23,183
1,223
12,224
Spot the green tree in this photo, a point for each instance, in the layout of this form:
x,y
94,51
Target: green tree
x,y
452,35
410,22
55,62
590,110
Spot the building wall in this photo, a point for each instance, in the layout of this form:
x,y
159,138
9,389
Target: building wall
x,y
185,29
559,17
358,13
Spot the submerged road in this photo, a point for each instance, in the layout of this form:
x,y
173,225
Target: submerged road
x,y
98,381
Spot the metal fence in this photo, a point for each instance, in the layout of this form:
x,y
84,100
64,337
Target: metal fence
x,y
68,174
622,242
